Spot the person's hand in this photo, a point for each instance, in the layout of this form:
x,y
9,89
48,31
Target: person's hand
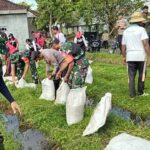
x,y
66,79
58,75
15,107
123,60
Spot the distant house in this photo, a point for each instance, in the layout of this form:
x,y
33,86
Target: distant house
x,y
18,20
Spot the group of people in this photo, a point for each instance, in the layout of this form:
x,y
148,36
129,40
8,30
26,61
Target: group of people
x,y
67,58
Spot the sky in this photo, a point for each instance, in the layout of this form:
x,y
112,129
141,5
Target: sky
x,y
33,2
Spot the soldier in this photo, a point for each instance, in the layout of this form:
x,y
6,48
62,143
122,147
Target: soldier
x,y
79,71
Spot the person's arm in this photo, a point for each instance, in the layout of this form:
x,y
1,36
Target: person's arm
x,y
146,47
145,40
63,65
26,68
4,90
69,71
123,48
124,54
75,40
85,43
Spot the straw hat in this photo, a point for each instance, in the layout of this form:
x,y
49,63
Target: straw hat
x,y
137,17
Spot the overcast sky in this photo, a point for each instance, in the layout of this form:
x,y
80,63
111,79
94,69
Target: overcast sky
x,y
34,5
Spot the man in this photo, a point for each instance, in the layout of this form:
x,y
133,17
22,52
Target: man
x,y
121,25
58,35
146,15
58,60
76,76
135,48
5,92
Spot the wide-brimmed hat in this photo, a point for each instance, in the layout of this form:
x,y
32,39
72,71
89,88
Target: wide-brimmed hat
x,y
137,17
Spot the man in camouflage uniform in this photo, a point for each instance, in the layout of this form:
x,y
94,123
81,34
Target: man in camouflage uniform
x,y
23,61
79,71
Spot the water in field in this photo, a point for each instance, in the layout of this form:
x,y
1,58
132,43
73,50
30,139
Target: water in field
x,y
31,139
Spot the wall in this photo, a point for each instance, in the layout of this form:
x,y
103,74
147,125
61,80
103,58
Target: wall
x,y
16,24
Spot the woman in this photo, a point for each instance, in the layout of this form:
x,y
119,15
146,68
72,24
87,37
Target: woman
x,y
13,47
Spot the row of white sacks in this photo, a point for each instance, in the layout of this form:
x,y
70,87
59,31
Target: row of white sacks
x,y
22,83
75,100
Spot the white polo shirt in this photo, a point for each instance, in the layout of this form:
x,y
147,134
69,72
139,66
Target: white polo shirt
x,y
132,38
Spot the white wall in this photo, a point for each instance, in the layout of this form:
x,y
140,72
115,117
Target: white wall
x,y
18,25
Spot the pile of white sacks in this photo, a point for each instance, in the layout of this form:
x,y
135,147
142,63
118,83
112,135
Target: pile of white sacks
x,y
19,84
75,100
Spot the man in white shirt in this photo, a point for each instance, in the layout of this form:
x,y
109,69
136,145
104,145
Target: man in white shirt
x,y
135,49
58,35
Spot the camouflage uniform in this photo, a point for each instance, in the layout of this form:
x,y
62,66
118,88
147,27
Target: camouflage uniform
x,y
79,71
1,71
16,58
3,49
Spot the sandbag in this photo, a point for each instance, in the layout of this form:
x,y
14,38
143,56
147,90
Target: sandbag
x,y
75,105
23,84
48,90
99,116
8,78
125,141
62,93
89,76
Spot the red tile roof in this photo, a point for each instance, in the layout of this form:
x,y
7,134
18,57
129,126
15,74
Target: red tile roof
x,y
7,5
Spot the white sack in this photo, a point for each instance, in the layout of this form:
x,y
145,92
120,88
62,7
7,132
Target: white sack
x,y
62,93
125,141
23,84
8,78
75,105
89,76
99,116
48,90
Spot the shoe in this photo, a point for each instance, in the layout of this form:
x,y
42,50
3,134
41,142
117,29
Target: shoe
x,y
144,94
1,139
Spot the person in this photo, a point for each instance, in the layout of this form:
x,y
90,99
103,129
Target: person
x,y
58,35
32,47
121,25
79,70
146,15
59,61
4,52
135,49
80,40
105,39
6,93
41,41
13,47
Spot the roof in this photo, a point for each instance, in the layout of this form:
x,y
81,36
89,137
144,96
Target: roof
x,y
7,5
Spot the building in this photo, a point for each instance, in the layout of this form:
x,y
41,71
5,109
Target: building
x,y
16,19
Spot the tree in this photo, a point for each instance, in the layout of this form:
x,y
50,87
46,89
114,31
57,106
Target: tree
x,y
106,11
53,12
25,4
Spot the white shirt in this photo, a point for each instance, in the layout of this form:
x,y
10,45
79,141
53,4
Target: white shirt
x,y
60,36
132,38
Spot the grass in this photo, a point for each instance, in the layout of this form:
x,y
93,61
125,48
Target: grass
x,y
112,77
51,120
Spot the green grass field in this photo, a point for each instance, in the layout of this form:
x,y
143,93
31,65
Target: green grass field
x,y
109,76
